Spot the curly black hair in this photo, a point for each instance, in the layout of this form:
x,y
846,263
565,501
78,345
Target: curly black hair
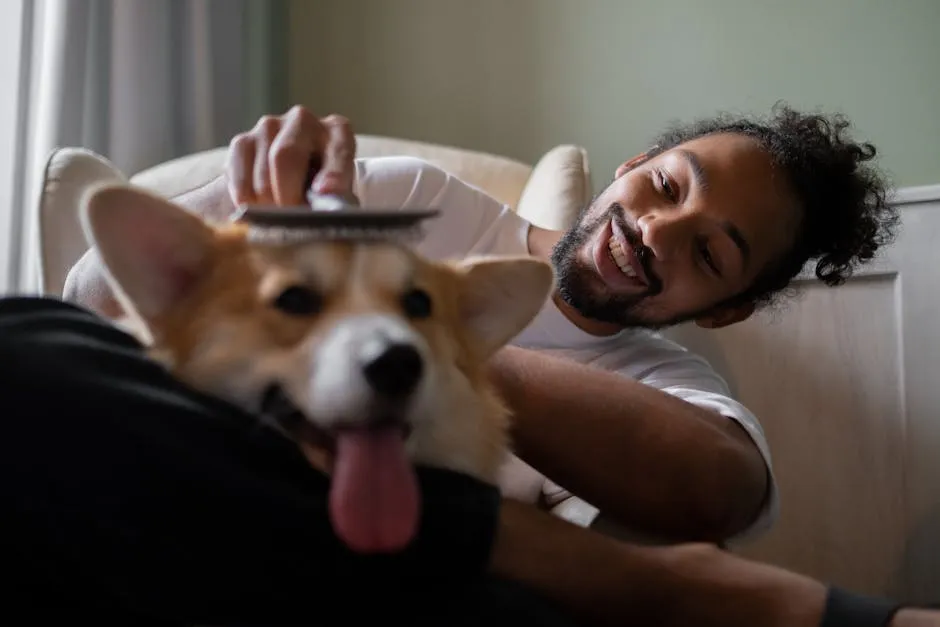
x,y
846,216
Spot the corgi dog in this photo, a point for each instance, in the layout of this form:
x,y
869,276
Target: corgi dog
x,y
363,349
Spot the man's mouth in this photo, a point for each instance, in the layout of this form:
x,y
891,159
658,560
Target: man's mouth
x,y
627,252
625,259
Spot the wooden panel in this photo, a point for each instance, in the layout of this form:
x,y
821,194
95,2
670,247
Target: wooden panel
x,y
918,258
823,379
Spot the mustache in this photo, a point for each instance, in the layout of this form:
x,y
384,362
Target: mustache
x,y
642,252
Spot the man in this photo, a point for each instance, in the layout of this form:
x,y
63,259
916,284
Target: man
x,y
700,228
707,226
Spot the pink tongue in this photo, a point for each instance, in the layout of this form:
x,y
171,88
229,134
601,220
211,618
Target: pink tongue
x,y
374,499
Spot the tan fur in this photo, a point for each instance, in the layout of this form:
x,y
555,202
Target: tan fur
x,y
219,331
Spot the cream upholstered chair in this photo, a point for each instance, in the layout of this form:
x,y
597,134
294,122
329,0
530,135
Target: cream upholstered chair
x,y
549,193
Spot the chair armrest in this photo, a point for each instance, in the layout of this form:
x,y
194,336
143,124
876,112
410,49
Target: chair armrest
x,y
558,189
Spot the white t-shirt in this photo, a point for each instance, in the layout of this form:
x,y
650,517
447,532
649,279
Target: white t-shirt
x,y
470,223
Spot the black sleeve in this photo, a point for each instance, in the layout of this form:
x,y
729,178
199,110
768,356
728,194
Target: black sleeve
x,y
848,609
122,488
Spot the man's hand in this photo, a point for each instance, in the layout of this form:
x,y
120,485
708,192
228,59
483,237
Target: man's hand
x,y
268,165
273,162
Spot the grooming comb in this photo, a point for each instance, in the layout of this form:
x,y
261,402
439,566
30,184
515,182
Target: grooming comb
x,y
332,218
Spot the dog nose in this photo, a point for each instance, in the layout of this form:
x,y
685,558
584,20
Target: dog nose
x,y
395,371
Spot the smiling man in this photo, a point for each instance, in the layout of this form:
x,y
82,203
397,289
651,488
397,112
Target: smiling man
x,y
716,220
629,263
611,418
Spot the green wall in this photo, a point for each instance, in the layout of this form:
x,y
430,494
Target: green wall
x,y
266,53
519,76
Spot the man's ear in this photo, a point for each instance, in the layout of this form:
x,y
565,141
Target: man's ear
x,y
628,165
153,251
500,296
725,316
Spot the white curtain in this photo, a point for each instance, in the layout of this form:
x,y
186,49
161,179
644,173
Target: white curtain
x,y
138,81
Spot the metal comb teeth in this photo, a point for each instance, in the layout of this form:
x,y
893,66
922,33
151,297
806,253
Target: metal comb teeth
x,y
332,218
298,234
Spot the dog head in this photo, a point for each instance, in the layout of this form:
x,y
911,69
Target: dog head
x,y
363,345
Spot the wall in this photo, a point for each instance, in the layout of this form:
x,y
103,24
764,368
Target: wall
x,y
519,76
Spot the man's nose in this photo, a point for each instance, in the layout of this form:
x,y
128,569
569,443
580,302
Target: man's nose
x,y
663,233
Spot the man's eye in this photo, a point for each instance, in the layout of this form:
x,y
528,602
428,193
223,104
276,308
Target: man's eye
x,y
667,186
707,257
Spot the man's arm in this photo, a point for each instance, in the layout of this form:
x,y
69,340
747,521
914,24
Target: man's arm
x,y
645,458
601,581
85,284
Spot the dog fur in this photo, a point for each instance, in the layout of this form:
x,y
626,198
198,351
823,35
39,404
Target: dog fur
x,y
232,313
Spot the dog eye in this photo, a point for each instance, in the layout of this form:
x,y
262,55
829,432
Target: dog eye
x,y
416,303
298,301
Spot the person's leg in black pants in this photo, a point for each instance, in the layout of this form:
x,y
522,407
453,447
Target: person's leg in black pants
x,y
128,496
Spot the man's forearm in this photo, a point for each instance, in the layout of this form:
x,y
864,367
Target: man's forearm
x,y
85,284
643,457
604,582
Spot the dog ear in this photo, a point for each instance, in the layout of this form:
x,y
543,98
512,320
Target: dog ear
x,y
499,297
153,251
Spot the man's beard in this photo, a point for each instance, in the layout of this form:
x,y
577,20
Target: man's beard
x,y
576,281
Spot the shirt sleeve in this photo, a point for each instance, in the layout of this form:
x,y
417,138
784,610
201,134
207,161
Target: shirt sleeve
x,y
671,368
693,380
468,219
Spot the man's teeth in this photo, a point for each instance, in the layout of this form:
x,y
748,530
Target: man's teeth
x,y
620,257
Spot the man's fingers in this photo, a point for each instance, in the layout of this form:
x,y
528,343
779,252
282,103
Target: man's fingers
x,y
240,166
301,139
266,130
338,171
282,156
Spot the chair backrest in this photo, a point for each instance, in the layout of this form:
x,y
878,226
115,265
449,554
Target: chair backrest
x,y
71,171
67,174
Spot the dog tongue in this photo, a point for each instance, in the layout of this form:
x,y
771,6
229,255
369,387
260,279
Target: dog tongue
x,y
374,498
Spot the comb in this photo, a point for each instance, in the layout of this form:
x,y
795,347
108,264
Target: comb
x,y
332,218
